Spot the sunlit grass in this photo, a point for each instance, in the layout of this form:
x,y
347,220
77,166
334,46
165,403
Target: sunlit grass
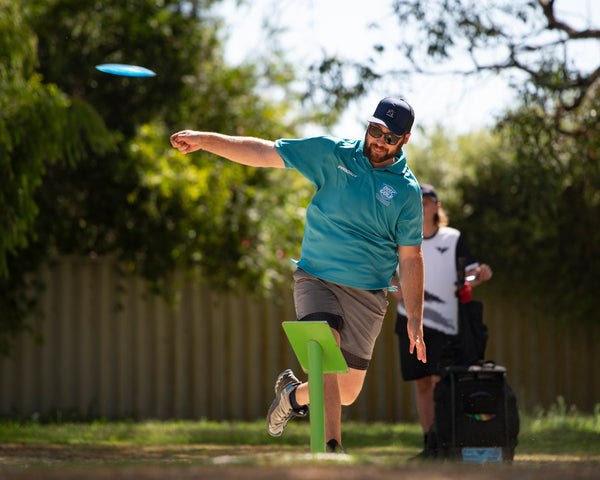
x,y
195,432
560,429
557,430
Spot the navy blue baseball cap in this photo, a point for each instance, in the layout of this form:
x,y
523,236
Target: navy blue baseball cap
x,y
395,114
429,191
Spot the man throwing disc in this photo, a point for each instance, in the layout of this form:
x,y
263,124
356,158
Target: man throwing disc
x,y
364,220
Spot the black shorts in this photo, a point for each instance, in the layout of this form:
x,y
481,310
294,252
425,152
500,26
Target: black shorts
x,y
435,341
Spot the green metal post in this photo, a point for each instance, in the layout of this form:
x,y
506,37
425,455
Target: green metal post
x,y
315,392
318,353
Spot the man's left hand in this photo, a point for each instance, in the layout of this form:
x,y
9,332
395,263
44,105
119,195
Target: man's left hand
x,y
415,335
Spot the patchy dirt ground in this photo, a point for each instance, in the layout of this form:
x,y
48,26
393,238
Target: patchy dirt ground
x,y
207,462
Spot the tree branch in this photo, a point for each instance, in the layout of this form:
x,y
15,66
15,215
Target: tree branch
x,y
555,24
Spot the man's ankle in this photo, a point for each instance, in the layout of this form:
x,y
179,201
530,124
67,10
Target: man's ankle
x,y
295,405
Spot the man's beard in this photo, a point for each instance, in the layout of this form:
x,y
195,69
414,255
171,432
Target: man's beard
x,y
377,158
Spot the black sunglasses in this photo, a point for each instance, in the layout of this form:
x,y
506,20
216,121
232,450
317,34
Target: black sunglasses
x,y
377,132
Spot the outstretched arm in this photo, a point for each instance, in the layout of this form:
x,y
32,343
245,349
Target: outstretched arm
x,y
412,277
251,151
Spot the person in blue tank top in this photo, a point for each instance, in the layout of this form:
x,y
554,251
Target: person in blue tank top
x,y
364,220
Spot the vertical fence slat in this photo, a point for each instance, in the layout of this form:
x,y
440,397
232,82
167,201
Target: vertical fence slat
x,y
592,366
252,360
84,337
143,374
202,313
182,362
25,369
218,365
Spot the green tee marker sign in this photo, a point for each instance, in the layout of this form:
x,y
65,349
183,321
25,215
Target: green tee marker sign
x,y
318,353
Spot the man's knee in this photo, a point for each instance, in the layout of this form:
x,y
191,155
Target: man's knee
x,y
349,397
424,385
350,385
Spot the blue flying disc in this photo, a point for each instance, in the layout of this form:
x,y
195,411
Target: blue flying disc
x,y
125,70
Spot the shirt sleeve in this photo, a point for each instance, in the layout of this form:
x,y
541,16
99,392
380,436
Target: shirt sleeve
x,y
409,229
307,155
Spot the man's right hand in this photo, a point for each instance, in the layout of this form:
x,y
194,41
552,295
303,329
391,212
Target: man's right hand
x,y
185,141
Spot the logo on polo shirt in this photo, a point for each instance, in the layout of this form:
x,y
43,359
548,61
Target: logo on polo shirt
x,y
345,170
386,194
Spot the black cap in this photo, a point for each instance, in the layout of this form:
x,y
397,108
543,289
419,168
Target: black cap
x,y
429,191
395,114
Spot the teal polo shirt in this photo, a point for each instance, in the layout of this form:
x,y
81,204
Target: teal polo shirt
x,y
358,215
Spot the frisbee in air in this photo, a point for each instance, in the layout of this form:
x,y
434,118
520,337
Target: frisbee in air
x,y
125,70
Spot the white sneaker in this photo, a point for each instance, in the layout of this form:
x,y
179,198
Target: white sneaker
x,y
281,411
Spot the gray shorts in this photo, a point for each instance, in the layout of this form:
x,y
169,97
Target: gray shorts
x,y
360,312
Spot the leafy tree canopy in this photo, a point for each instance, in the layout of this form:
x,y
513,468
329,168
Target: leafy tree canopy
x,y
91,169
527,201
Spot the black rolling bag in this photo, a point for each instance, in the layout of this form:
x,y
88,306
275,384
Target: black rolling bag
x,y
476,416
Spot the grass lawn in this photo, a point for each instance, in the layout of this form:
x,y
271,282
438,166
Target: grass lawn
x,y
549,441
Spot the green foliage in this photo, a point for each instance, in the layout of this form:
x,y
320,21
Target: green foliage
x,y
150,206
526,199
238,223
40,128
74,36
443,159
87,154
537,216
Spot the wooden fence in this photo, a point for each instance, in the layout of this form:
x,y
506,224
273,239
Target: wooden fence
x,y
216,355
